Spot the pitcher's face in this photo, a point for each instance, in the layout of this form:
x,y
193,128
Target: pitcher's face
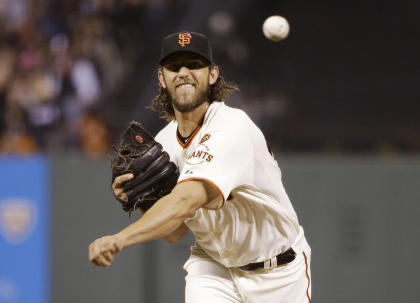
x,y
186,77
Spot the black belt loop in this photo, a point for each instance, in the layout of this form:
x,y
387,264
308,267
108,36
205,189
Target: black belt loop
x,y
283,258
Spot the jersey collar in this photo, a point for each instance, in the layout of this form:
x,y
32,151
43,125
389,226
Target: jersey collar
x,y
208,115
189,139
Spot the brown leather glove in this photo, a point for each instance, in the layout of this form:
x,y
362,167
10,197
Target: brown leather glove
x,y
154,174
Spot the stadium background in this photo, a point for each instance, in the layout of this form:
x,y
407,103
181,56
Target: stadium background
x,y
337,101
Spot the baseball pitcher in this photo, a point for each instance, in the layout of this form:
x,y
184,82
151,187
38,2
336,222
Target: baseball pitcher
x,y
209,171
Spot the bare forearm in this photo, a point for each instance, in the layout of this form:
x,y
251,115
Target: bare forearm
x,y
162,219
177,235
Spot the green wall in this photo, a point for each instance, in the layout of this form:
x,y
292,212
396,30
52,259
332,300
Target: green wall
x,y
360,216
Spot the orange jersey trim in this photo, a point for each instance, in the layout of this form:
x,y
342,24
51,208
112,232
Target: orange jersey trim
x,y
189,139
211,184
307,276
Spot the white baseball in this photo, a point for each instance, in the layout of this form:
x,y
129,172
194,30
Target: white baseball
x,y
276,28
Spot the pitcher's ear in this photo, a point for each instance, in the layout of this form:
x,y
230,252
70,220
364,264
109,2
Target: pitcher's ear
x,y
214,74
161,78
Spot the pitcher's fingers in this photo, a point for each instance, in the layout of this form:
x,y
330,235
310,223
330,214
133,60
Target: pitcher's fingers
x,y
108,256
93,250
96,261
97,247
102,261
120,194
123,197
118,181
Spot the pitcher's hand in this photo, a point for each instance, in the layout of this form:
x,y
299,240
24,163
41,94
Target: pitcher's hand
x,y
102,250
117,186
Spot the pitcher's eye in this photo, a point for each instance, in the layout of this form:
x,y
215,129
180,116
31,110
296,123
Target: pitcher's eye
x,y
192,64
195,65
173,67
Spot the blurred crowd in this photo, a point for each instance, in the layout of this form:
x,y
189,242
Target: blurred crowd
x,y
74,72
62,61
58,62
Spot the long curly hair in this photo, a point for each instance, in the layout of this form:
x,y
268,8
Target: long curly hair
x,y
217,93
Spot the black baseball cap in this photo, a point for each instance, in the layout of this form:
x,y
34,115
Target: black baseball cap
x,y
191,42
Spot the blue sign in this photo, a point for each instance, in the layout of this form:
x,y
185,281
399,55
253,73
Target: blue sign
x,y
24,230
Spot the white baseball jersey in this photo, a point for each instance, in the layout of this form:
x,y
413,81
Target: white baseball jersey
x,y
254,220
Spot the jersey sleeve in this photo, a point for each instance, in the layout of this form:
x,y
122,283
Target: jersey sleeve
x,y
224,158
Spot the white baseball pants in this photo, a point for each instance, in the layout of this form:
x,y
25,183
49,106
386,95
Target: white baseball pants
x,y
210,282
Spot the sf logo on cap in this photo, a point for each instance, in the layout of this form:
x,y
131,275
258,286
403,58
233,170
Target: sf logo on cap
x,y
184,39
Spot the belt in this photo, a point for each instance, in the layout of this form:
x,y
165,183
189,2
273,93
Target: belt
x,y
283,258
